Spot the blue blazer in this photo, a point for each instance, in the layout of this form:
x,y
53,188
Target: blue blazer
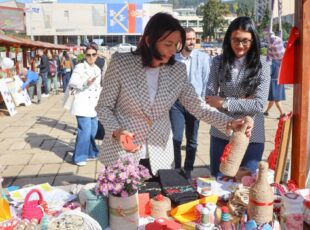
x,y
199,70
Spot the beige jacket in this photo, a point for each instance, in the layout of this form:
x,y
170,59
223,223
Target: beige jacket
x,y
124,103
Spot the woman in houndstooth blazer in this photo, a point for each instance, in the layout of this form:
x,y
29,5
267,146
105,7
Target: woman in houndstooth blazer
x,y
139,89
238,85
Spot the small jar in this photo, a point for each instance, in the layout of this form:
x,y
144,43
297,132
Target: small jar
x,y
292,211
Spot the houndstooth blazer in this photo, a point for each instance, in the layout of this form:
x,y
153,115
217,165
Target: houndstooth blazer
x,y
124,103
239,106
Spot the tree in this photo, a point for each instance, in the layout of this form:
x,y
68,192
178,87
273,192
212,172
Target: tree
x,y
265,21
213,16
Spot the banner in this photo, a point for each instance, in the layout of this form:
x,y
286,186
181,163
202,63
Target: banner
x,y
12,19
125,18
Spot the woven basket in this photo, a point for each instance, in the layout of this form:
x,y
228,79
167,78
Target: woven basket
x,y
32,209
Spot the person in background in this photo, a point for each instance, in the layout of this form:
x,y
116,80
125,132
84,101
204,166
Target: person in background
x,y
67,66
139,89
33,80
238,86
52,74
85,80
275,53
43,66
197,68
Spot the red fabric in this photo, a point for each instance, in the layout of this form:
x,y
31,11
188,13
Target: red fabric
x,y
272,159
286,72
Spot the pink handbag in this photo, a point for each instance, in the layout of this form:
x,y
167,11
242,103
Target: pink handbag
x,y
33,209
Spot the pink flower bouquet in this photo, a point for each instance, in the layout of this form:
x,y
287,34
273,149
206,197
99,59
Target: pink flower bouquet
x,y
122,179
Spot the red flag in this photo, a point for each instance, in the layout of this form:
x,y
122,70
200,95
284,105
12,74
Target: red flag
x,y
286,73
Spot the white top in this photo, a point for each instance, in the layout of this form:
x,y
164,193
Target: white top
x,y
152,75
152,82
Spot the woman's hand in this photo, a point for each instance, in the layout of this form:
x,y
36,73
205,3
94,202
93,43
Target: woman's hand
x,y
125,139
236,125
215,101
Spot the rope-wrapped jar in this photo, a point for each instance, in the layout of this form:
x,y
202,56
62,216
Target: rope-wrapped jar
x,y
234,151
261,197
160,206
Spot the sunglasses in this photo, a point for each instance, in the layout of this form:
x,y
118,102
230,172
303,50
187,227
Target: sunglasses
x,y
93,55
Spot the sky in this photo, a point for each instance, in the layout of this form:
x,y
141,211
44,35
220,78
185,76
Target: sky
x,y
88,1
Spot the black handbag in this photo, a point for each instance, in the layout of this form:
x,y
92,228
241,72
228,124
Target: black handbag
x,y
100,132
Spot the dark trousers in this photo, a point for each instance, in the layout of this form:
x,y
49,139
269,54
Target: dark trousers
x,y
250,160
181,118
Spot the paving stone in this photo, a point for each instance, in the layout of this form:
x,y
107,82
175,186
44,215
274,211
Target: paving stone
x,y
44,158
48,144
49,169
30,170
12,170
99,166
15,159
67,168
73,179
18,145
89,168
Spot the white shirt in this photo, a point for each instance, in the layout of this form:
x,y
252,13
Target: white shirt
x,y
237,66
187,62
152,75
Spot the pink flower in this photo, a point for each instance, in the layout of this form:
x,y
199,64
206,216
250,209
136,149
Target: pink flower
x,y
123,178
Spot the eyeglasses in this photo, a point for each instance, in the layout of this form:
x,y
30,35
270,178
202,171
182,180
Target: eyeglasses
x,y
91,55
244,42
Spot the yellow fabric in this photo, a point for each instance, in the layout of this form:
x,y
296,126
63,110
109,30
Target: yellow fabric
x,y
5,213
186,212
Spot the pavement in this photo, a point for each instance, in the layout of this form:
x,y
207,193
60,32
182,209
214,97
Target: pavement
x,y
36,145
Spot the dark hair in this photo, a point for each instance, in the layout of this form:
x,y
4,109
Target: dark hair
x,y
253,63
91,46
158,25
189,29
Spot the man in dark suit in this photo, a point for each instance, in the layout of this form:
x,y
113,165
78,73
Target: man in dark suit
x,y
44,71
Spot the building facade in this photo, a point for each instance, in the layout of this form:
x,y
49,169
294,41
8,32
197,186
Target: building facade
x,y
107,24
288,9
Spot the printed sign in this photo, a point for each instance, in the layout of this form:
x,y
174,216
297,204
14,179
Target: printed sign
x,y
8,100
18,97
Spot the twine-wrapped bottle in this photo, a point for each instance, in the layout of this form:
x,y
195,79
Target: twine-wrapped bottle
x,y
235,150
260,207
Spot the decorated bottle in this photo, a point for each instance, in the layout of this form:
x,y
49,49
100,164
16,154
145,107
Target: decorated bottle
x,y
205,220
234,151
260,207
226,223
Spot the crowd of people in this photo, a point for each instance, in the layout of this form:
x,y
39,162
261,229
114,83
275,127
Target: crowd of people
x,y
152,94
